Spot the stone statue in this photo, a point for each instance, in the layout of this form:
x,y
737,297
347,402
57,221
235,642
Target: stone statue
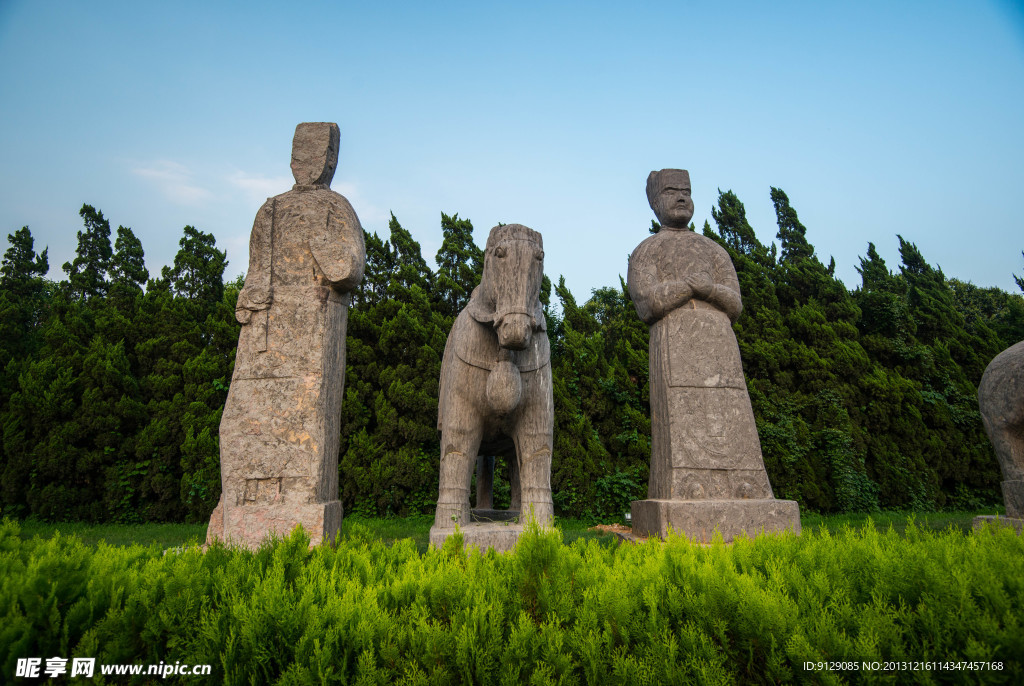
x,y
496,385
280,429
1001,400
707,471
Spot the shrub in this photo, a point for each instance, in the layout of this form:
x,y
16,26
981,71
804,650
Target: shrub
x,y
365,612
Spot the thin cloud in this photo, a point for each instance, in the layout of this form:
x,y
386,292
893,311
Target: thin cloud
x,y
174,180
259,188
368,213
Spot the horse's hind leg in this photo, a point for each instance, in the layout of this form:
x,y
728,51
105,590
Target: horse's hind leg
x,y
460,441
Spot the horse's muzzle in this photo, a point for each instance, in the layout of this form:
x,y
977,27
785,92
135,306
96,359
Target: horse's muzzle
x,y
514,331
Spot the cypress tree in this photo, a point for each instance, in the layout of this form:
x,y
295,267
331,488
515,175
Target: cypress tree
x,y
389,453
989,312
733,227
23,312
577,362
22,298
460,264
87,273
198,271
792,234
380,265
128,273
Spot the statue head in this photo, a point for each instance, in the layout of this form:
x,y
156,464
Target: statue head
x,y
508,296
668,192
315,153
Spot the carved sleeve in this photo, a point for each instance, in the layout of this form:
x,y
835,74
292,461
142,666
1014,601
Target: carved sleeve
x,y
726,291
256,294
339,250
641,282
653,296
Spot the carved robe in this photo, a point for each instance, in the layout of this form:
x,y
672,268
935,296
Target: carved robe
x,y
704,442
280,428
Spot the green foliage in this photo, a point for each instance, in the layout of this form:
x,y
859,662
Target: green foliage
x,y
368,612
111,404
460,263
602,426
396,335
198,270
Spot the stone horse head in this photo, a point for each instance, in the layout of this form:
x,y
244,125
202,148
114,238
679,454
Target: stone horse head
x,y
508,300
508,296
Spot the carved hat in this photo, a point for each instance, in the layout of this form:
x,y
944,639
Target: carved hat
x,y
515,232
315,153
657,180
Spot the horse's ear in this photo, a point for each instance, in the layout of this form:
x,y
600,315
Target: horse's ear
x,y
478,307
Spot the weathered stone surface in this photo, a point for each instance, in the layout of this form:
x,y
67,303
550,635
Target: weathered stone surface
x,y
500,536
699,519
280,429
704,442
496,382
1001,400
1015,523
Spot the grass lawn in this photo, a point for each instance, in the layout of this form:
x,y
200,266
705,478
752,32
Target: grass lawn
x,y
164,535
417,527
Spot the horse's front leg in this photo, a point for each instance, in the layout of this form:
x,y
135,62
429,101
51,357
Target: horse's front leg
x,y
533,438
461,433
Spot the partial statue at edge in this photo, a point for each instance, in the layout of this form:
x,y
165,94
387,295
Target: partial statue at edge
x,y
1001,401
280,430
704,443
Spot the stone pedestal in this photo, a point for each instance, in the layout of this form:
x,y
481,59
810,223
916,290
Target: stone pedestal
x,y
1014,523
501,536
698,519
251,526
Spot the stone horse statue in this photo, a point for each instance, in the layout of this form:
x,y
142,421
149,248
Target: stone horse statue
x,y
496,380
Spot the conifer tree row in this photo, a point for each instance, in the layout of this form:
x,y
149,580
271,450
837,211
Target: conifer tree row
x,y
113,382
110,410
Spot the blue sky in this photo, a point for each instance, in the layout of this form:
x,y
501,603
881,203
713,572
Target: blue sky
x,y
876,118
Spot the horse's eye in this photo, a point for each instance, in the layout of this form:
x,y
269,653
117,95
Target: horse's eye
x,y
540,255
500,251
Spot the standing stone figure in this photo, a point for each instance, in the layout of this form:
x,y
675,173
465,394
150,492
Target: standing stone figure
x,y
706,466
280,430
1001,401
496,382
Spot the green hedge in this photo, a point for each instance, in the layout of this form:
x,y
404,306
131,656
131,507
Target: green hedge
x,y
369,613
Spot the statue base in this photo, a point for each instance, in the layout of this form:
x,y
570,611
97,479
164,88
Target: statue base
x,y
699,519
996,520
500,536
250,526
